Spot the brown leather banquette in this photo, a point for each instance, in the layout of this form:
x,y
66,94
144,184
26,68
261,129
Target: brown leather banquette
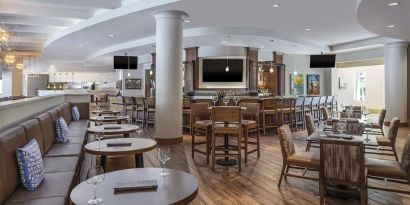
x,y
61,161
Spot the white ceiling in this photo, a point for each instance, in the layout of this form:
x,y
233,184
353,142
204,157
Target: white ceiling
x,y
77,31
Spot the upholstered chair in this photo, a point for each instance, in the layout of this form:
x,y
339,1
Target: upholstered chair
x,y
310,127
292,157
390,140
326,117
378,128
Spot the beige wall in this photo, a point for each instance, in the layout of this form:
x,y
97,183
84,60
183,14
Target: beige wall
x,y
17,88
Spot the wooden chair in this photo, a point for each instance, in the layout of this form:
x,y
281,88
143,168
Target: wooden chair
x,y
140,110
329,106
201,125
327,119
390,140
186,114
226,120
295,158
394,171
287,112
353,127
298,113
377,129
310,127
342,163
250,124
150,117
307,108
102,101
322,101
128,107
315,110
334,104
270,113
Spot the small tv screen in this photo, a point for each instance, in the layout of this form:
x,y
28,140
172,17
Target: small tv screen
x,y
213,70
125,62
322,61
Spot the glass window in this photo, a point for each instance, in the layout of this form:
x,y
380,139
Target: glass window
x,y
361,86
1,87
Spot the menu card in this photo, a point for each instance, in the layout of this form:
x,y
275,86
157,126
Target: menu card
x,y
144,185
112,127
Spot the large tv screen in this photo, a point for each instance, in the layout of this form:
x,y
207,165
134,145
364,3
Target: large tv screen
x,y
125,62
213,70
322,61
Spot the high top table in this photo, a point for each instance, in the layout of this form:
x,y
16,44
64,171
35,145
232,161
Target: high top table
x,y
177,188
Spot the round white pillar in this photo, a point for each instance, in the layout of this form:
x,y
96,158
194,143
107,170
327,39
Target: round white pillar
x,y
168,106
395,63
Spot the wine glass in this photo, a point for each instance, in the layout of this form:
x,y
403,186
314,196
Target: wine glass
x,y
139,133
226,100
214,100
340,127
163,154
368,129
99,135
236,99
349,111
95,176
98,109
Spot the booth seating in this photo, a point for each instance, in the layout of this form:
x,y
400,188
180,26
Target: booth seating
x,y
62,162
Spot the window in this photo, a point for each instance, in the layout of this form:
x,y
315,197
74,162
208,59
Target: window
x,y
361,86
1,87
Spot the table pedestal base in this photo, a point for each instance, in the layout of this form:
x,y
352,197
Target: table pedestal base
x,y
226,162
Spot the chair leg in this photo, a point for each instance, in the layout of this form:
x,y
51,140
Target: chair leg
x,y
207,146
322,192
239,151
258,142
264,123
246,144
286,171
213,151
395,153
308,146
193,144
363,196
281,175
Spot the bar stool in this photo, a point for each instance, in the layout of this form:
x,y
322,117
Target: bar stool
x,y
298,112
334,104
250,124
328,105
307,108
287,112
140,110
322,103
201,124
150,117
186,114
128,107
270,110
226,121
315,110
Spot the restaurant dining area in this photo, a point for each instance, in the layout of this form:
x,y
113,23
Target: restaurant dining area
x,y
193,102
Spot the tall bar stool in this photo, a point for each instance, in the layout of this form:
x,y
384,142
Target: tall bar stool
x,y
201,125
298,112
270,113
328,105
150,118
307,108
334,104
226,121
186,114
250,124
287,112
128,107
140,110
322,103
315,110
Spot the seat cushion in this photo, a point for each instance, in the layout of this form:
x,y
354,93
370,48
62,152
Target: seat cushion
x,y
75,140
43,201
203,124
383,141
78,128
54,185
62,130
384,168
301,158
60,164
30,165
60,150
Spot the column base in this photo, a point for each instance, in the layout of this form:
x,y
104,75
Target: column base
x,y
169,141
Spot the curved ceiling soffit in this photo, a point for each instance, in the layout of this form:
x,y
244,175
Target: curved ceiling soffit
x,y
399,16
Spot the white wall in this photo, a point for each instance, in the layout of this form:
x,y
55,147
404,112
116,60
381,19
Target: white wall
x,y
301,64
139,73
375,94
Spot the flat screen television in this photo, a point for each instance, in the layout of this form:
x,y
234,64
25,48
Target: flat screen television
x,y
213,70
322,61
125,62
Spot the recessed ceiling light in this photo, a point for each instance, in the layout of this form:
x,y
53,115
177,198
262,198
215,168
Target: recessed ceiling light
x,y
111,35
391,26
276,5
187,21
393,4
224,42
262,46
307,29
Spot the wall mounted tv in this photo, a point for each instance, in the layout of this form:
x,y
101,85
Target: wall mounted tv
x,y
125,62
213,70
322,61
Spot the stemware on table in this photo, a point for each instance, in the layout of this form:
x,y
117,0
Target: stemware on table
x,y
214,100
163,154
95,176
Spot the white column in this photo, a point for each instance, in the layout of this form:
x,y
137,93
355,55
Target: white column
x,y
168,114
395,62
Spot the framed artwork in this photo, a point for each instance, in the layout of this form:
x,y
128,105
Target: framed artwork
x,y
313,84
132,84
297,84
342,83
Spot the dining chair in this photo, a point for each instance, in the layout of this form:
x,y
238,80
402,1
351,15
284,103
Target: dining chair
x,y
342,163
326,117
377,129
186,114
270,113
250,124
390,170
390,140
334,104
150,102
353,126
287,112
315,110
307,108
295,158
226,120
310,127
201,126
140,110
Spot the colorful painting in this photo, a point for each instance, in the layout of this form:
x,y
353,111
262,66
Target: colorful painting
x,y
313,84
297,85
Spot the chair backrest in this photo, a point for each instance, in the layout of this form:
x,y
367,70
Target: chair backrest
x,y
315,101
355,114
226,114
325,113
322,100
200,111
308,101
271,104
381,117
299,101
204,101
249,100
405,158
251,112
150,102
342,161
186,103
353,126
140,102
309,124
329,100
286,141
393,129
288,103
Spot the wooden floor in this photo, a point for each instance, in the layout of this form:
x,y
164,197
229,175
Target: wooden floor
x,y
257,183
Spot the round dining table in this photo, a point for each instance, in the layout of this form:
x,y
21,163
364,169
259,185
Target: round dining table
x,y
122,129
110,119
106,112
177,188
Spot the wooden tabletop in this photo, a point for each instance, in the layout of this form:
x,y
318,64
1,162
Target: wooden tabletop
x,y
315,136
125,129
138,146
106,112
110,118
176,188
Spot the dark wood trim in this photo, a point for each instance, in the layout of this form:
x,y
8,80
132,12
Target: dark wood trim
x,y
169,141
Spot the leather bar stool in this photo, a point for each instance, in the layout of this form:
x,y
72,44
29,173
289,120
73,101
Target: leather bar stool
x,y
150,117
270,113
307,108
298,112
201,126
287,112
186,114
390,140
250,124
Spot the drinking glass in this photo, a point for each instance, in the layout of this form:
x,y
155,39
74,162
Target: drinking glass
x,y
368,129
99,135
365,113
340,127
214,100
139,133
163,154
95,176
349,111
236,99
226,100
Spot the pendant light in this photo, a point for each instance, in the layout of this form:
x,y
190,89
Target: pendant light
x,y
61,83
128,64
227,61
271,67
